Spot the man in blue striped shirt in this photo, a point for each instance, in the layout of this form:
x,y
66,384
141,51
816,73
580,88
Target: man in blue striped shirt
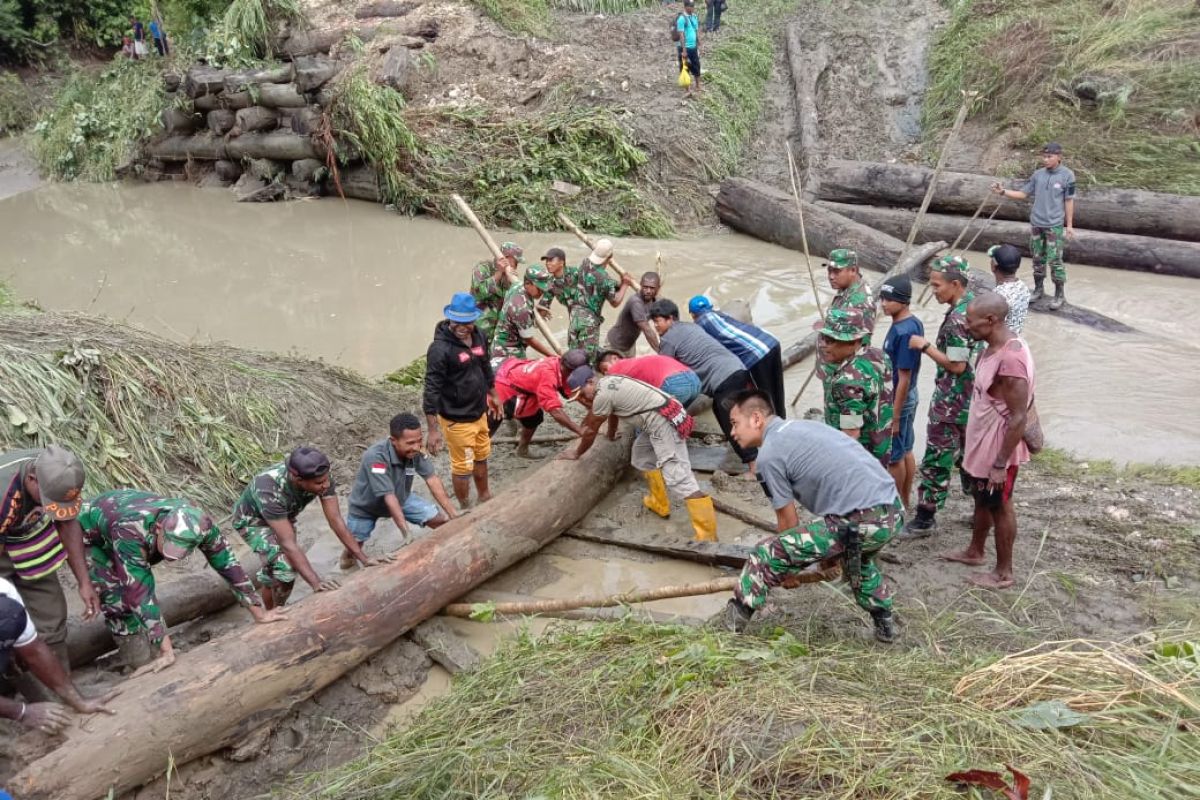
x,y
758,350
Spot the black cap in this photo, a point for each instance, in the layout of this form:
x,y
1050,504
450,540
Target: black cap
x,y
553,253
573,359
663,308
1054,148
897,288
13,622
1006,256
308,463
579,377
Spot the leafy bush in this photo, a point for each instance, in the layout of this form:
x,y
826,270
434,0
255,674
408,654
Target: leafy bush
x,y
17,109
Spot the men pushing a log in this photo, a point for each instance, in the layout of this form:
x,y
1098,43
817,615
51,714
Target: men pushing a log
x,y
655,369
634,319
528,390
584,290
129,531
1051,220
758,350
660,449
489,285
516,329
265,515
858,392
854,498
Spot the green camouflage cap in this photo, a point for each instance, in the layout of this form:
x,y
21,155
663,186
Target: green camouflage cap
x,y
841,258
952,265
843,325
538,276
513,249
183,530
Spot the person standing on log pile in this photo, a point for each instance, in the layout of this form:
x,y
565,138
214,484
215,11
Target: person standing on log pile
x,y
528,390
127,532
18,636
721,374
854,498
265,515
516,328
1051,220
660,449
459,392
634,319
895,296
996,449
39,530
758,350
383,486
657,370
1006,260
953,355
490,284
584,290
858,392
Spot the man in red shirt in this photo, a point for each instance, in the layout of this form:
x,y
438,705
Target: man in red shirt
x,y
661,372
528,387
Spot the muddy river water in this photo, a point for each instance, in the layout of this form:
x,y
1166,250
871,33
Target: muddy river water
x,y
361,287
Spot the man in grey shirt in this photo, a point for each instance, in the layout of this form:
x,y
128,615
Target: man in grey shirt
x,y
832,476
634,319
1053,216
721,372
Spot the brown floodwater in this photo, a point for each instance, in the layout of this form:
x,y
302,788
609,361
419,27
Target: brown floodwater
x,y
362,287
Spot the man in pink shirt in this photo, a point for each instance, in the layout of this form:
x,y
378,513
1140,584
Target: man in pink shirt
x,y
661,372
995,446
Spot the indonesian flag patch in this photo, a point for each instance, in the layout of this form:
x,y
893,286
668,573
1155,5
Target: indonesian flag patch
x,y
379,469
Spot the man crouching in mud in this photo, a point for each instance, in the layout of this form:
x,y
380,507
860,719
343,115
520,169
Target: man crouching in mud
x,y
833,476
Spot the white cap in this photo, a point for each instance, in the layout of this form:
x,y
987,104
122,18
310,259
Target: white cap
x,y
603,252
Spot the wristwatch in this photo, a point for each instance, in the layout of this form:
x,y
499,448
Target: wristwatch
x,y
926,346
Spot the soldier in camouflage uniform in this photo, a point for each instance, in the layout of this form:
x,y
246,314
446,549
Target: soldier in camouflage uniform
x,y
126,532
517,328
858,393
954,354
266,514
853,295
584,290
489,284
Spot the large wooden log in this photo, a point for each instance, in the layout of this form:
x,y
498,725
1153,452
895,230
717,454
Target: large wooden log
x,y
220,691
238,81
256,119
808,63
1111,210
360,182
311,42
278,95
1117,250
201,80
276,145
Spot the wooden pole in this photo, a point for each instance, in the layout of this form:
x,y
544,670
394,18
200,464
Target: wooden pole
x,y
803,235
744,516
497,253
625,598
583,237
220,691
967,227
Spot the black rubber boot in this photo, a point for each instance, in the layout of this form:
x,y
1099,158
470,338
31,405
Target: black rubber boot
x,y
885,626
1060,296
736,616
1039,288
921,526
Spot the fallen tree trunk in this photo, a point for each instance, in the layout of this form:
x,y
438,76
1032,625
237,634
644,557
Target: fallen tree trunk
x,y
310,42
276,145
1116,250
256,119
279,95
238,81
201,80
187,598
1128,211
808,65
361,183
221,691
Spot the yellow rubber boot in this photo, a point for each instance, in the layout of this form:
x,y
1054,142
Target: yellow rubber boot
x,y
704,518
657,501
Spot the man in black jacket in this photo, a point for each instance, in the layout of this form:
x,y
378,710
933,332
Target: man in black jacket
x,y
459,393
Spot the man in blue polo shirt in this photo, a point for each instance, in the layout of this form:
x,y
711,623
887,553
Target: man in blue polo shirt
x,y
758,350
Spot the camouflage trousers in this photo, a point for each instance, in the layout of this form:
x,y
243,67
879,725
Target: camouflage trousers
x,y
276,571
944,443
121,592
791,551
1046,246
583,332
486,325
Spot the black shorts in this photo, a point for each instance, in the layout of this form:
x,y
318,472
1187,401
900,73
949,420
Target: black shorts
x,y
994,499
528,423
693,61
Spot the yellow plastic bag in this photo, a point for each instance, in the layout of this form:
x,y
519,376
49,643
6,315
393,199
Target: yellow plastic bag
x,y
685,77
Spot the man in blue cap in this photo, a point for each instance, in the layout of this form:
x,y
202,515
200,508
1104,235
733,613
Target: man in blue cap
x,y
758,350
459,391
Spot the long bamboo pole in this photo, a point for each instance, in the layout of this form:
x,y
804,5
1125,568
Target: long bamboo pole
x,y
497,253
796,181
583,237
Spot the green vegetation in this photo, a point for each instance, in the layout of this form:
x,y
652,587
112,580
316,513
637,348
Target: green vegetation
x,y
17,108
630,710
736,71
98,120
29,27
369,118
532,17
1114,80
243,34
1060,463
411,375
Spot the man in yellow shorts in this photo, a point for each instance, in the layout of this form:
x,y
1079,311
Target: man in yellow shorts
x,y
459,392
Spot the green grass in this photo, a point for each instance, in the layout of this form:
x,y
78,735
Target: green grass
x,y
629,710
1060,463
17,107
532,17
1139,58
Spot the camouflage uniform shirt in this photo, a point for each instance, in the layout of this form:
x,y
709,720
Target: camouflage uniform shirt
x,y
952,393
271,496
489,296
118,532
859,395
857,298
516,324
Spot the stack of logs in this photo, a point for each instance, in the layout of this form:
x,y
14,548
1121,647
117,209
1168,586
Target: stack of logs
x,y
263,128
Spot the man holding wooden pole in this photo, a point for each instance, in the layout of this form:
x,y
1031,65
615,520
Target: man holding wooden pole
x,y
490,282
584,290
517,327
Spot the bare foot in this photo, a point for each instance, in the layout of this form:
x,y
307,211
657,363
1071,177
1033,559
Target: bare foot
x,y
963,557
483,498
989,580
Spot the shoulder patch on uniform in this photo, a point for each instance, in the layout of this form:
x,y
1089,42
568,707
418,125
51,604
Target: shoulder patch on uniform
x,y
379,469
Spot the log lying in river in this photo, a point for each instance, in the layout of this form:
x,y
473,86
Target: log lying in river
x,y
1121,251
222,690
1112,210
277,145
